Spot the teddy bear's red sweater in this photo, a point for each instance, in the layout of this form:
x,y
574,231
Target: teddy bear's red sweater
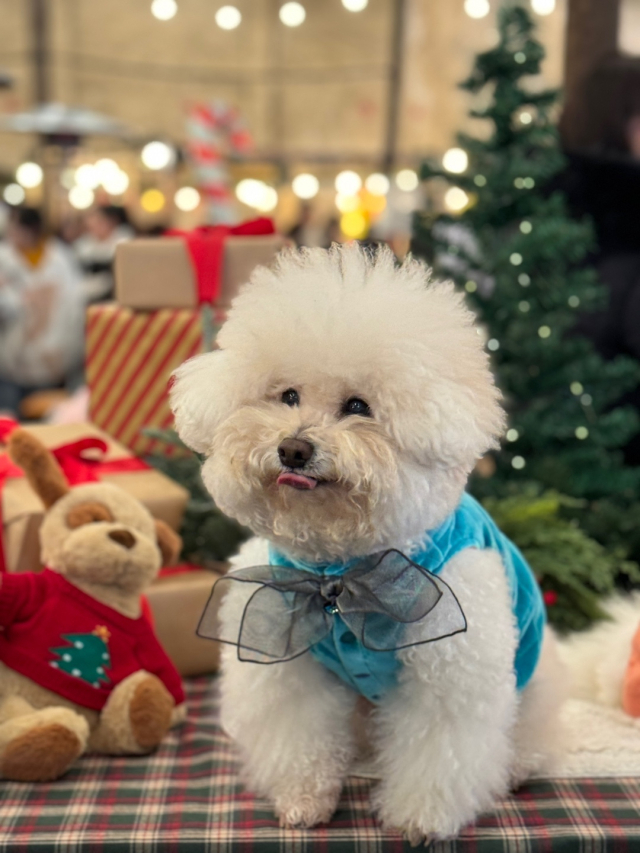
x,y
66,641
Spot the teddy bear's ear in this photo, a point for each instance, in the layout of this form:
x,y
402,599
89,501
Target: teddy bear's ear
x,y
40,466
169,542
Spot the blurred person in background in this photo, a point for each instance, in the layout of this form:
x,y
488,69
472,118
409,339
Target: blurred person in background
x,y
106,226
603,182
306,231
603,179
332,233
41,311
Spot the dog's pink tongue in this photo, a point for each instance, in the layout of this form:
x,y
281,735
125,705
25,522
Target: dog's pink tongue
x,y
297,481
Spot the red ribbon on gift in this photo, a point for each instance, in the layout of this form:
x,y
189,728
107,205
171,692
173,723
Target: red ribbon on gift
x,y
81,461
206,250
178,569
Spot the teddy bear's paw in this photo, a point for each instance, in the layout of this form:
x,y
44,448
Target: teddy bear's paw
x,y
150,712
40,754
303,811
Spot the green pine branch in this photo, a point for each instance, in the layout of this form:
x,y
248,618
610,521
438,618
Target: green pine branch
x,y
576,570
208,536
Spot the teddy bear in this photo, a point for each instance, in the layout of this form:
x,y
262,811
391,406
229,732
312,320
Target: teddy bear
x,y
80,667
348,402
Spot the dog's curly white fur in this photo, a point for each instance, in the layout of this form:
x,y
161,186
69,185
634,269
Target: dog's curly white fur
x,y
334,325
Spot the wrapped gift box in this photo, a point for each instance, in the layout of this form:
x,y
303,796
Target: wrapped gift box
x,y
172,293
130,356
22,510
152,273
177,601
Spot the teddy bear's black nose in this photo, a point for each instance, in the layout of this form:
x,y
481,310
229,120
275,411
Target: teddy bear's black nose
x,y
122,537
295,452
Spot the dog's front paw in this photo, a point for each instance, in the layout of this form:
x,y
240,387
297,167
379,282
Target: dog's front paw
x,y
303,811
420,826
417,838
413,833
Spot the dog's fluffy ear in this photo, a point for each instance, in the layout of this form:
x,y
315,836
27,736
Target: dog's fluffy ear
x,y
40,466
169,542
199,398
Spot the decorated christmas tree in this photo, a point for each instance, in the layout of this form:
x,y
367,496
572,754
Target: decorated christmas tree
x,y
85,656
522,260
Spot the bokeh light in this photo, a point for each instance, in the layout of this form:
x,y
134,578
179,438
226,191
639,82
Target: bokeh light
x,y
164,10
292,14
87,176
157,155
152,201
543,7
477,8
407,180
228,17
29,175
354,225
81,197
13,194
187,199
347,203
455,160
116,183
305,185
348,182
377,184
456,199
257,194
355,5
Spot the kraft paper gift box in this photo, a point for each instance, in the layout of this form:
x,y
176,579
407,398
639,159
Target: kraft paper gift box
x,y
170,272
177,600
22,510
172,293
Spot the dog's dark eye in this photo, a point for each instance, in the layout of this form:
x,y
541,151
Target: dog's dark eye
x,y
290,397
356,406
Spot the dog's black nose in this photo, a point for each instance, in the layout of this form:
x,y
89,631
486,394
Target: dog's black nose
x,y
122,537
295,452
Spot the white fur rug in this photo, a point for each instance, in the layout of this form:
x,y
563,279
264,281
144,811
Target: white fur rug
x,y
599,742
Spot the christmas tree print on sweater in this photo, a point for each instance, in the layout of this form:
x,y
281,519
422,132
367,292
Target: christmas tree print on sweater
x,y
86,656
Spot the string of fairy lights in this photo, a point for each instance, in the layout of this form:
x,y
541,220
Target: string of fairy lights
x,y
293,14
359,199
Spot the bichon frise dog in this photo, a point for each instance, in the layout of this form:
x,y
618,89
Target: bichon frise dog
x,y
348,402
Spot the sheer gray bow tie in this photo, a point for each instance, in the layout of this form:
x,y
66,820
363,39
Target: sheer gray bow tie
x,y
289,610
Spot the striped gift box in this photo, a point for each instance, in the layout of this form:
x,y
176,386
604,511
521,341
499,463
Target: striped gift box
x,y
130,356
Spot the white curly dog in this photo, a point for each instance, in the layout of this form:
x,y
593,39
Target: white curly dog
x,y
348,402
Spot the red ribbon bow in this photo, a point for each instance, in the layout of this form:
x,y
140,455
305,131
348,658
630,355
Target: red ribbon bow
x,y
81,461
206,250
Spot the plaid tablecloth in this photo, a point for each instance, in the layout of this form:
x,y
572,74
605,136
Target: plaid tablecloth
x,y
187,798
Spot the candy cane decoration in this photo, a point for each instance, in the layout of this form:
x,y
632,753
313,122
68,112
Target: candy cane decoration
x,y
214,131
